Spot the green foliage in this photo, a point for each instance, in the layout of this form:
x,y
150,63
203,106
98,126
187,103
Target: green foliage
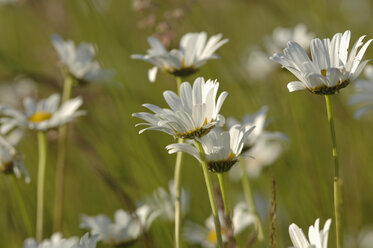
x,y
106,140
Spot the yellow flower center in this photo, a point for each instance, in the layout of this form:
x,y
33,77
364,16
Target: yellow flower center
x,y
231,156
323,72
40,116
212,238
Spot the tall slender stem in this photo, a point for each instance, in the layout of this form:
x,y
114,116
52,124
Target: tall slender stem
x,y
210,192
177,182
22,205
42,143
223,192
250,200
60,166
178,197
338,201
178,82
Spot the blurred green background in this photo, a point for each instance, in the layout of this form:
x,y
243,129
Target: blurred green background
x,y
111,166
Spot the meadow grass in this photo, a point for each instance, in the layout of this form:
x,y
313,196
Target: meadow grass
x,y
106,142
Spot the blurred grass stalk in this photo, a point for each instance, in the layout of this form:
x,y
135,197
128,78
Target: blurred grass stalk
x,y
22,205
210,192
250,200
61,157
223,192
177,186
337,180
42,146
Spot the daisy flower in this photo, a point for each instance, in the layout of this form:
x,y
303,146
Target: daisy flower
x,y
56,241
192,115
79,61
43,115
265,146
11,162
222,149
206,236
331,68
125,229
364,95
195,50
164,201
317,238
258,64
15,91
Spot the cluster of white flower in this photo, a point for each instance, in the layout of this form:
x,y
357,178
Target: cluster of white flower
x,y
193,116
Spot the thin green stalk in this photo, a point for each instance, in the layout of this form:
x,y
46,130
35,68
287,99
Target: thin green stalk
x,y
338,201
22,205
210,192
250,200
42,143
178,197
223,192
177,182
60,166
178,82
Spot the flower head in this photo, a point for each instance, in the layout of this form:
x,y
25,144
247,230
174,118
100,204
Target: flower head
x,y
195,50
364,95
317,238
222,149
126,227
206,236
258,64
79,61
11,161
331,68
56,241
13,92
164,201
192,115
265,146
42,115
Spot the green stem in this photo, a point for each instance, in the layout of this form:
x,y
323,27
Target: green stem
x,y
22,205
210,192
60,166
178,197
337,180
177,182
42,143
223,192
250,200
178,82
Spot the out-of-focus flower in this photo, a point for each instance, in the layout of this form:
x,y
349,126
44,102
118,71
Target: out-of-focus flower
x,y
11,161
365,239
194,51
125,229
164,201
332,67
364,95
79,61
56,241
222,149
265,146
281,36
42,115
192,115
13,92
206,236
317,238
258,64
